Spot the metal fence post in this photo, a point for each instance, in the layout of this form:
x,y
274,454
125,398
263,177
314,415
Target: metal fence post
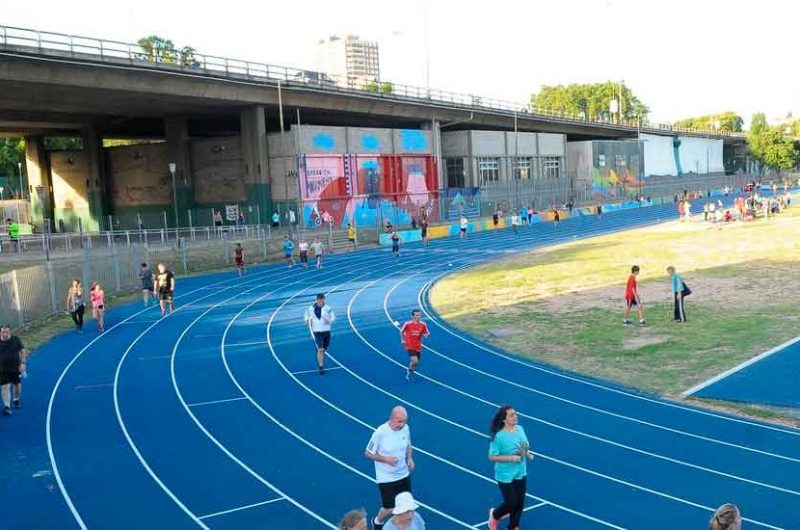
x,y
87,268
164,215
184,260
226,251
117,276
330,237
15,287
263,243
52,284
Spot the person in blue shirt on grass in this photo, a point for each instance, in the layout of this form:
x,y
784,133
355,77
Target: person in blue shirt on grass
x,y
509,449
679,291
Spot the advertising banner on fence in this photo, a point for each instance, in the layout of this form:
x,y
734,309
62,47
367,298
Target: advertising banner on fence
x,y
231,212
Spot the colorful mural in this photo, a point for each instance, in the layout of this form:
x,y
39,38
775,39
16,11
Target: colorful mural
x,y
368,189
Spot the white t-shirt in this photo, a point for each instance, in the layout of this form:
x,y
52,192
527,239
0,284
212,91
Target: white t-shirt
x,y
387,442
318,248
304,246
464,223
514,219
325,321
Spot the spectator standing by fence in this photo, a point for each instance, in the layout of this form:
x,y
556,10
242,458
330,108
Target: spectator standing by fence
x,y
13,367
76,304
276,220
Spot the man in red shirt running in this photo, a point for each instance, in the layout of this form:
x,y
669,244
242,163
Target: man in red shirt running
x,y
411,335
632,297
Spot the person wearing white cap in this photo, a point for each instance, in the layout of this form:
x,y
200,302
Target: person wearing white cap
x,y
390,449
405,515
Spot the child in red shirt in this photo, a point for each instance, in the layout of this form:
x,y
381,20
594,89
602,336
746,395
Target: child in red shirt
x,y
411,335
632,298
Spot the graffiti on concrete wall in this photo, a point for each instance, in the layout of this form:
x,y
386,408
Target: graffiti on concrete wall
x,y
367,189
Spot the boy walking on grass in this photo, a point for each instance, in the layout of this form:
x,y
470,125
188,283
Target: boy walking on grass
x,y
632,298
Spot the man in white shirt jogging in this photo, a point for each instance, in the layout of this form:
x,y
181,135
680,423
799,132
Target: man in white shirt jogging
x,y
320,317
463,232
390,448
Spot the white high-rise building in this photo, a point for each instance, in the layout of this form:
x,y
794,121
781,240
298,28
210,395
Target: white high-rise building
x,y
349,56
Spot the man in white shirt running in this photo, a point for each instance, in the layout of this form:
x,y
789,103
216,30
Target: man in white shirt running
x,y
390,448
464,223
320,317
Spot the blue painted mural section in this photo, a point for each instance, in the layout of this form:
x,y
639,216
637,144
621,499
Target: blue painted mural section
x,y
413,141
324,142
370,143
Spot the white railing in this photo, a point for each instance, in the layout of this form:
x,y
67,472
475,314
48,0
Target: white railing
x,y
188,60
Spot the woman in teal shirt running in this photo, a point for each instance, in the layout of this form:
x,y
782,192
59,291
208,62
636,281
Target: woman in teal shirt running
x,y
508,450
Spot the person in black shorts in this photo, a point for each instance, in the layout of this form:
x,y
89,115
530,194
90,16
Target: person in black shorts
x,y
13,366
165,289
320,317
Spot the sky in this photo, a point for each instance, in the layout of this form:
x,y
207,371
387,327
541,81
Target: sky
x,y
682,58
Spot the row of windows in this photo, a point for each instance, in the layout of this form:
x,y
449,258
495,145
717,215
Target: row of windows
x,y
489,169
621,160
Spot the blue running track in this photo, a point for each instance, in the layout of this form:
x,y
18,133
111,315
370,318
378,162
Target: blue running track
x,y
213,417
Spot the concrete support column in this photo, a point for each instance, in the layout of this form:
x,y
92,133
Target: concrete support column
x,y
95,179
40,185
253,134
176,131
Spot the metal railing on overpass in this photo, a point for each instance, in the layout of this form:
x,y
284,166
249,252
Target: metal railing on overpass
x,y
189,61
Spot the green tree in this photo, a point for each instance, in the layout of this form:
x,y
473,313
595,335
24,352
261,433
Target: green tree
x,y
58,143
381,88
724,121
12,152
159,50
590,100
772,146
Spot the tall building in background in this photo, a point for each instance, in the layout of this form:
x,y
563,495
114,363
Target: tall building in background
x,y
349,56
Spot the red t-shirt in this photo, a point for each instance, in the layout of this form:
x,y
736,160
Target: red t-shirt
x,y
412,334
630,288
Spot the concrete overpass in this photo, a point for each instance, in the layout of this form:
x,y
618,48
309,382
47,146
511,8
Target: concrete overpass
x,y
54,84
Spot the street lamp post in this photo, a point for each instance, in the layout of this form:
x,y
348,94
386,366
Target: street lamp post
x,y
21,192
172,167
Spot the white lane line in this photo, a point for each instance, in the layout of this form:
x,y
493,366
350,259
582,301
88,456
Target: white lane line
x,y
495,405
240,508
48,421
253,343
203,403
370,428
728,373
203,428
286,428
476,526
121,421
316,370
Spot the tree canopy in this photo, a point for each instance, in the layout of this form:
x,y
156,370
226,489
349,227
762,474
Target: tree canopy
x,y
724,121
771,145
12,151
591,100
162,50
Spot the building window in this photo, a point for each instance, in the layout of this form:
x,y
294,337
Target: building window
x,y
551,167
488,170
454,168
601,160
522,168
620,161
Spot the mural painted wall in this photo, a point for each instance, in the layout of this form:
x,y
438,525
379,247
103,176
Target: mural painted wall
x,y
367,189
616,169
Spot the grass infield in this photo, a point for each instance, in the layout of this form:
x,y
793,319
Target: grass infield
x,y
564,304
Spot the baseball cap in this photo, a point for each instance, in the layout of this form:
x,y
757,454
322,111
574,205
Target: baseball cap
x,y
403,503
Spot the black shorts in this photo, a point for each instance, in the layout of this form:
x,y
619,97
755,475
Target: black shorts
x,y
240,263
395,248
630,302
424,234
323,339
9,378
412,353
165,295
463,229
390,490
